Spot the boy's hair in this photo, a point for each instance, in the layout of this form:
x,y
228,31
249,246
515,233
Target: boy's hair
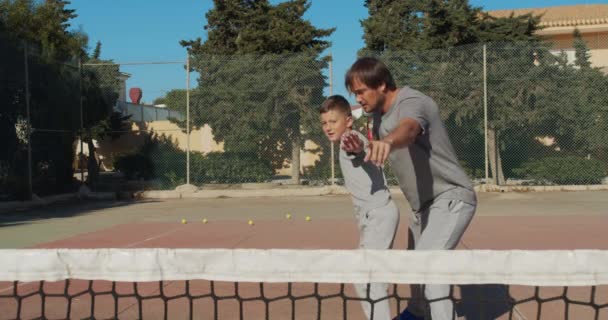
x,y
336,102
372,72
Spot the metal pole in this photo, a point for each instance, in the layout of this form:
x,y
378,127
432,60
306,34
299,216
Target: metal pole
x,y
188,118
30,188
485,109
81,155
331,92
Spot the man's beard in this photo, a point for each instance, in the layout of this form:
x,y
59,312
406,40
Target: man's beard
x,y
379,105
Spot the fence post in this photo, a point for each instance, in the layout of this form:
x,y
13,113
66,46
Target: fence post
x,y
331,92
30,188
188,118
485,110
81,154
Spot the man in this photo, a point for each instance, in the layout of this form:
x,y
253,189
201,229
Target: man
x,y
414,139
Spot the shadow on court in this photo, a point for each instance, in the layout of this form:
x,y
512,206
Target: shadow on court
x,y
481,302
67,209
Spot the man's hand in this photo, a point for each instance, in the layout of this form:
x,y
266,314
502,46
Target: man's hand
x,y
351,143
402,136
378,151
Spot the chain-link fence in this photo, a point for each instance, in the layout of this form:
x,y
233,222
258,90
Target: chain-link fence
x,y
540,116
39,119
145,143
517,113
547,116
263,109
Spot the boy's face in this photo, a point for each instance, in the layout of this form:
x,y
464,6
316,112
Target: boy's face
x,y
370,99
335,123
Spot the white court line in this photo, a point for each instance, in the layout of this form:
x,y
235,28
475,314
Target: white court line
x,y
127,246
164,284
131,245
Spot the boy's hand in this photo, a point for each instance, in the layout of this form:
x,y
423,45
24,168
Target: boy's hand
x,y
351,143
378,151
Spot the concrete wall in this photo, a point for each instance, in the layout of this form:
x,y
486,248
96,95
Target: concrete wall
x,y
201,140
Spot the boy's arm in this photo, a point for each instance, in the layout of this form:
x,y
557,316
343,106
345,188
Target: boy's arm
x,y
351,143
355,147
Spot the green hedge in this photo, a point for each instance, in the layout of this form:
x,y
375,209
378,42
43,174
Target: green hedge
x,y
563,170
230,167
160,159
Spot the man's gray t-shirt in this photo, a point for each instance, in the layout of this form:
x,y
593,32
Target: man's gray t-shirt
x,y
364,180
427,169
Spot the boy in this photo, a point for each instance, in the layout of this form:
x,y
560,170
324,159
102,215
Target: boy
x,y
377,214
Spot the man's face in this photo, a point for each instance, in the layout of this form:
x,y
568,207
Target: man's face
x,y
335,123
369,99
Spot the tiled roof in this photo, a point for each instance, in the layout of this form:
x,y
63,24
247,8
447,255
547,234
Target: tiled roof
x,y
562,16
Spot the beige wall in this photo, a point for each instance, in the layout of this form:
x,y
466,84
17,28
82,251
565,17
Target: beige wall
x,y
201,140
599,58
597,42
307,158
594,40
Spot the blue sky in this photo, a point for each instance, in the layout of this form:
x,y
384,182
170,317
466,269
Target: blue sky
x,y
150,30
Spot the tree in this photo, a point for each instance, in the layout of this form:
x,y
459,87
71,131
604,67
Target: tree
x,y
580,118
581,52
42,28
97,51
45,24
432,47
419,24
99,83
174,99
260,77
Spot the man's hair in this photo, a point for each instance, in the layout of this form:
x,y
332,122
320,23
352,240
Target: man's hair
x,y
370,71
336,102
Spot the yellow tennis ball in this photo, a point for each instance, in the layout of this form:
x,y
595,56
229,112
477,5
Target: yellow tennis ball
x,y
308,218
184,221
288,216
250,222
205,220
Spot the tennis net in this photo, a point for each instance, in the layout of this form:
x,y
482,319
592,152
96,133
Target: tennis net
x,y
296,284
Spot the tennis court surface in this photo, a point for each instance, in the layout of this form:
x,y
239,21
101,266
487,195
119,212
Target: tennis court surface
x,y
525,256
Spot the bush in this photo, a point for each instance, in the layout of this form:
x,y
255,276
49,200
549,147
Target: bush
x,y
321,171
563,170
230,167
160,159
14,188
135,166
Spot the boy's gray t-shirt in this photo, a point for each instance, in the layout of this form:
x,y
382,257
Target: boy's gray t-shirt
x,y
364,180
427,169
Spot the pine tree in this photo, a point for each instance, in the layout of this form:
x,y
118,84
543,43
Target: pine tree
x,y
431,47
43,27
261,72
394,24
97,51
581,52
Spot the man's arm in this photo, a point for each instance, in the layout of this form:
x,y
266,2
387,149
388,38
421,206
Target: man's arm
x,y
405,134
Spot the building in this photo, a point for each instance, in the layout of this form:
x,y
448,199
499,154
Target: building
x,y
558,25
